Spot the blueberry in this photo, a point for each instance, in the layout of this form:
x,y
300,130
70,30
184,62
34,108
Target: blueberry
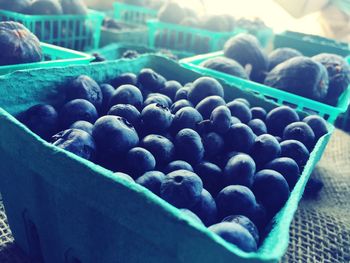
x,y
278,118
301,132
206,209
182,94
150,80
258,113
246,102
207,105
235,120
211,176
295,150
178,165
204,127
107,93
271,190
257,126
170,88
221,119
76,141
128,112
169,101
139,161
189,146
265,149
161,148
239,170
83,125
204,87
235,200
84,87
317,124
179,105
124,176
236,235
186,117
124,79
77,110
240,138
114,135
213,144
192,215
286,167
156,117
279,139
225,157
41,119
246,223
158,99
240,110
181,188
127,94
152,181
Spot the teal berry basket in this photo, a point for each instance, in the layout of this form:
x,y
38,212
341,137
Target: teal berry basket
x,y
54,56
72,210
78,32
116,51
133,14
330,113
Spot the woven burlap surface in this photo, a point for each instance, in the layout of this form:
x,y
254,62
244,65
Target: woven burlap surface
x,y
320,231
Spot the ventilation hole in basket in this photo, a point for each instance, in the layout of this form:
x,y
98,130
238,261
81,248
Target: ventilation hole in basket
x,y
33,239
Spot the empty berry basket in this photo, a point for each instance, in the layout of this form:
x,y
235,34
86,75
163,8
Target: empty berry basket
x,y
79,32
71,210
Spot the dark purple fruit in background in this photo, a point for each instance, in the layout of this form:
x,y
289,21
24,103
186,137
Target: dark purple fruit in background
x,y
84,87
240,110
181,188
278,118
156,117
179,105
77,110
221,119
240,138
150,80
271,190
74,7
152,181
257,126
139,161
76,141
18,44
124,79
44,7
206,106
225,65
318,125
83,125
211,175
246,223
189,146
235,234
239,170
127,94
235,200
265,149
161,148
204,87
114,135
286,167
41,119
206,209
301,132
128,112
178,165
18,6
258,113
296,151
280,55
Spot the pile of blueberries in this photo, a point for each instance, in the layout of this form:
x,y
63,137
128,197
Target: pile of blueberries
x,y
229,166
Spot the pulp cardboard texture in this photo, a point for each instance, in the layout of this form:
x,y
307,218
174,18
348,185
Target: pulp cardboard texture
x,y
62,208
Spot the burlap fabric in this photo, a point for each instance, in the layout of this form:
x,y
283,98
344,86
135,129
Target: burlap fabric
x,y
320,231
